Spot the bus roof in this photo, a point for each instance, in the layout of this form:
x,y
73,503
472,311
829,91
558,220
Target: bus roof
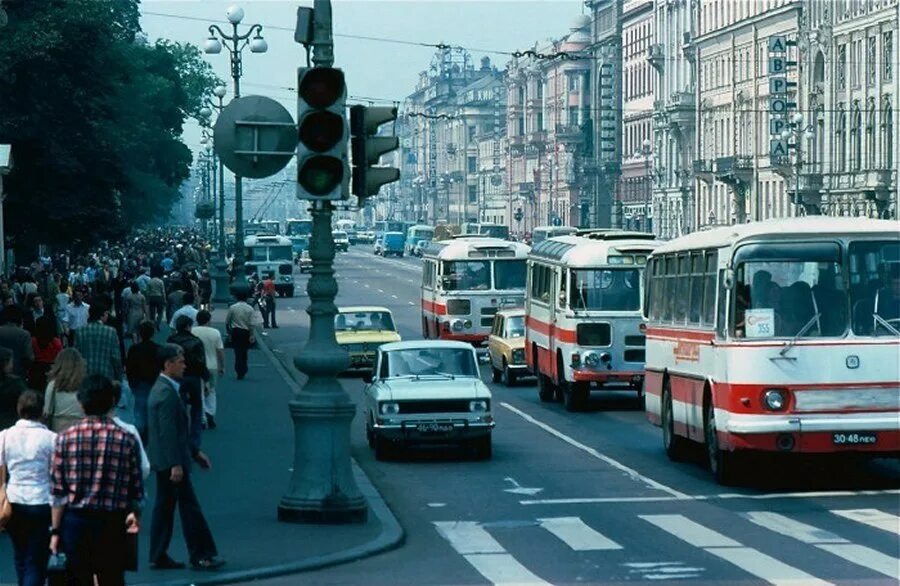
x,y
462,247
824,226
591,250
267,240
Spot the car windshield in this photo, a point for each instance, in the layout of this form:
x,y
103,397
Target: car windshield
x,y
605,289
788,297
429,361
875,288
515,326
509,274
363,321
472,275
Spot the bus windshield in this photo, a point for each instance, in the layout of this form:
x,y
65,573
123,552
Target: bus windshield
x,y
605,289
784,290
509,274
257,254
280,253
875,288
467,275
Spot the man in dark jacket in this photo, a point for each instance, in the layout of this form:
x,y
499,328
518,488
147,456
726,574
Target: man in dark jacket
x,y
171,453
14,337
142,368
194,375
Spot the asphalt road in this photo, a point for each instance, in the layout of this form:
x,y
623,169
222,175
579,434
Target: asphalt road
x,y
590,498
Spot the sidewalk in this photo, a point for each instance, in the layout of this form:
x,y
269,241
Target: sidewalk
x,y
251,453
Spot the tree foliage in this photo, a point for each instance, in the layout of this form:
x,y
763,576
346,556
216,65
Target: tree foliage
x,y
95,115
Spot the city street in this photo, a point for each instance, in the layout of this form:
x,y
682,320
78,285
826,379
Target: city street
x,y
591,497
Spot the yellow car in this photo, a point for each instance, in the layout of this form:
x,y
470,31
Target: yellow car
x,y
506,346
361,330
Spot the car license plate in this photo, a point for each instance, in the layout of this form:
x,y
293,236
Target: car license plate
x,y
434,427
854,439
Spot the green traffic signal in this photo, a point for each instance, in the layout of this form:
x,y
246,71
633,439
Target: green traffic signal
x,y
320,175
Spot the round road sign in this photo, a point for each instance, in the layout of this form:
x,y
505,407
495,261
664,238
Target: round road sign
x,y
255,137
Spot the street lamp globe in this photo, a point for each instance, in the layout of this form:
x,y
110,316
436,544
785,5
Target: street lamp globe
x,y
258,44
809,134
645,144
219,91
785,134
797,118
235,14
212,46
205,112
203,140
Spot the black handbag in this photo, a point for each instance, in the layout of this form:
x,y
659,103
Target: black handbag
x,y
131,552
56,570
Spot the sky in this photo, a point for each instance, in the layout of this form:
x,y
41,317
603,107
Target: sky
x,y
380,70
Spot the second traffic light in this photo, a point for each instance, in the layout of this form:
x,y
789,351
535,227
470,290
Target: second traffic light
x,y
322,169
367,150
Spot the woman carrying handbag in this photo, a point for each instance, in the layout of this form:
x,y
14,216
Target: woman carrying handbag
x,y
26,450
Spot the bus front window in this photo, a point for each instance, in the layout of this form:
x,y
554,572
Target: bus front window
x,y
467,275
277,253
509,274
257,254
789,298
605,289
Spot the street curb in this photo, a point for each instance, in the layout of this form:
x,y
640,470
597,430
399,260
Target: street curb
x,y
390,537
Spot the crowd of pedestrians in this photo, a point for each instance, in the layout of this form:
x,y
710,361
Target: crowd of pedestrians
x,y
84,387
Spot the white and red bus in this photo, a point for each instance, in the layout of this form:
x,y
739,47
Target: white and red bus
x,y
465,281
584,328
776,336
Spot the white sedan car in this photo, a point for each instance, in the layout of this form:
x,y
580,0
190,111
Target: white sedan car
x,y
427,392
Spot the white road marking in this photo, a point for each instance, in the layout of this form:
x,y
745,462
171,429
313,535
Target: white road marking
x,y
634,474
827,541
437,505
872,518
707,497
485,554
748,559
381,290
394,296
577,534
366,285
411,303
663,570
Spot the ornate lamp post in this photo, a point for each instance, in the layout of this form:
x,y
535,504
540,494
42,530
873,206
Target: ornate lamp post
x,y
219,269
798,133
235,43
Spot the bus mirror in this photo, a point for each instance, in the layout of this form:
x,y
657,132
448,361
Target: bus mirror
x,y
445,282
729,278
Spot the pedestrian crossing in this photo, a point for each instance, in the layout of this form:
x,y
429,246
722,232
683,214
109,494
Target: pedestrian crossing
x,y
770,547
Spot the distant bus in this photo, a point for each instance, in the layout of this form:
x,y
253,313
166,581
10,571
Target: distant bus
x,y
383,226
541,233
295,227
492,230
271,227
273,256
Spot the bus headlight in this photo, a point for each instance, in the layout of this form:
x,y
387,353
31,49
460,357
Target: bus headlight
x,y
467,324
390,408
456,325
775,399
592,359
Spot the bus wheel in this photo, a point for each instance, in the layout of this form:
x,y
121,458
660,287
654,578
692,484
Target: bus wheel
x,y
546,390
722,464
676,446
575,396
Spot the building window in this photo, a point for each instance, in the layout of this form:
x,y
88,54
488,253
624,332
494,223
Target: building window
x,y
871,61
473,194
856,138
887,126
887,48
472,164
856,64
870,135
840,135
842,66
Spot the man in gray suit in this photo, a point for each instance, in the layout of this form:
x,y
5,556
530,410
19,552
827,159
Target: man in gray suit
x,y
171,454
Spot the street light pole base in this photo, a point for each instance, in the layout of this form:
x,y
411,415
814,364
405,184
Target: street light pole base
x,y
323,513
220,279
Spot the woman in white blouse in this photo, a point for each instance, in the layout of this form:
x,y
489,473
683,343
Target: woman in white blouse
x,y
26,450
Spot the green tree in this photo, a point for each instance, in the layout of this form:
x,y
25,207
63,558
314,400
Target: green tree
x,y
95,115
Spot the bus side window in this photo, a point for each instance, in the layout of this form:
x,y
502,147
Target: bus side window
x,y
722,307
709,289
561,298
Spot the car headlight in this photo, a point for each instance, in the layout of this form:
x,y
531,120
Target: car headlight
x,y
518,356
478,406
390,408
775,399
592,359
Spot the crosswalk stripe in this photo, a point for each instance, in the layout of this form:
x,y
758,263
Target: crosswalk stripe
x,y
827,541
485,554
748,559
872,518
577,534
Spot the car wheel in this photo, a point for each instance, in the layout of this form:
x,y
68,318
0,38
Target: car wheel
x,y
495,373
482,447
370,435
675,445
507,377
384,448
546,390
722,464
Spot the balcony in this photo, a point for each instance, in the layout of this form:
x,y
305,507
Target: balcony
x,y
734,171
655,56
807,192
703,169
569,132
681,109
537,137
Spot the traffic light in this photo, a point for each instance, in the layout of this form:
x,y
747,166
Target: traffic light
x,y
367,149
322,169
